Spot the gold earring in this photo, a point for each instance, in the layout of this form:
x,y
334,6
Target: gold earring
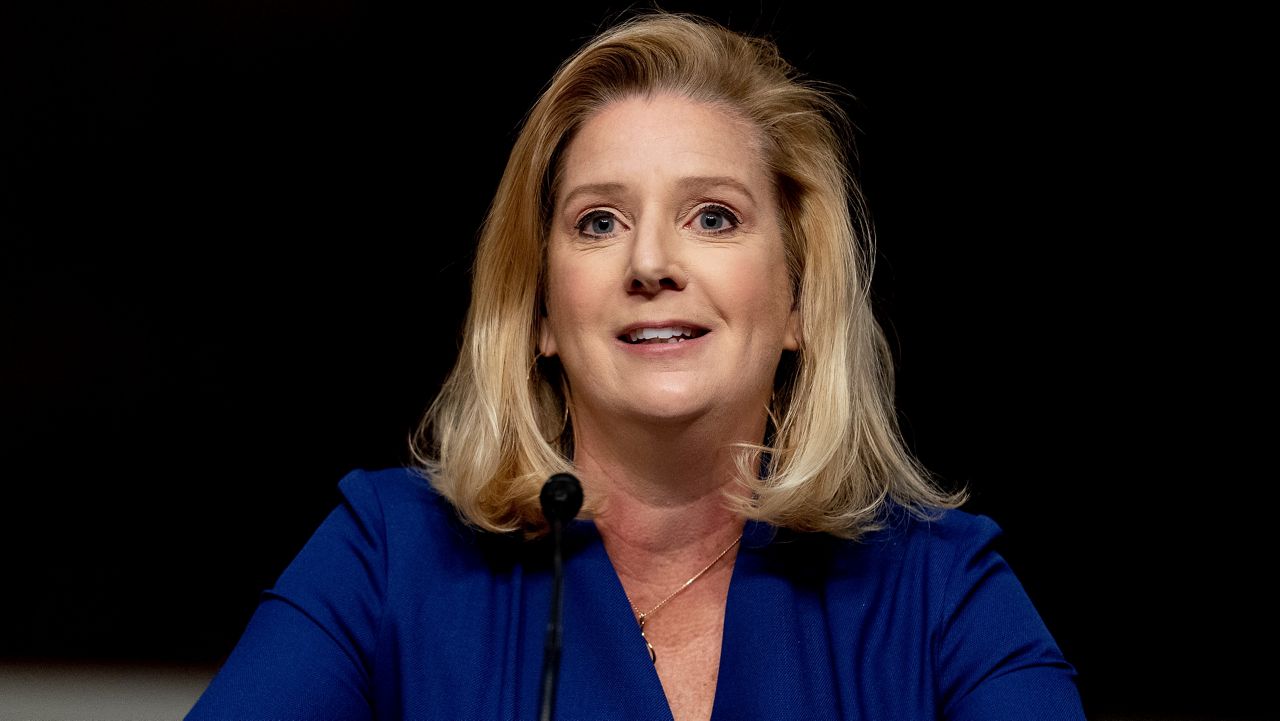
x,y
568,404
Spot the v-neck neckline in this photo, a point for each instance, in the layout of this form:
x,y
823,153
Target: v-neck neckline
x,y
614,623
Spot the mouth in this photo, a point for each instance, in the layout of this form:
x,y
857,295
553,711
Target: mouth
x,y
661,334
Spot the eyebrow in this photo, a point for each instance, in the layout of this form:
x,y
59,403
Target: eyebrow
x,y
686,184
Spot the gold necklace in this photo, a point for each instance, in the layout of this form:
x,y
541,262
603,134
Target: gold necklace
x,y
643,617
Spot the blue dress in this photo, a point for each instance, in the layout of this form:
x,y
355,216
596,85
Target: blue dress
x,y
396,610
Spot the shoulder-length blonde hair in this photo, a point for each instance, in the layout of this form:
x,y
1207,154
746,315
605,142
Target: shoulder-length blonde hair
x,y
833,458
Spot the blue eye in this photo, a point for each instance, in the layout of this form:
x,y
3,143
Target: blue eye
x,y
599,224
711,220
715,219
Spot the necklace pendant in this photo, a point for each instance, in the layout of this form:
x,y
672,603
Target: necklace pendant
x,y
642,617
653,655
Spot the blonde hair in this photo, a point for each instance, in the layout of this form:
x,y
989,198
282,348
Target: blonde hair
x,y
833,459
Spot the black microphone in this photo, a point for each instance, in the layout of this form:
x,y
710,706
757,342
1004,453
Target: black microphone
x,y
561,500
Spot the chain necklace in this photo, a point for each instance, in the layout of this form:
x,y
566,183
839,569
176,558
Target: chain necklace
x,y
644,617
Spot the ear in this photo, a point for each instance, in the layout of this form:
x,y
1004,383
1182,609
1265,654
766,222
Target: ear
x,y
794,334
546,339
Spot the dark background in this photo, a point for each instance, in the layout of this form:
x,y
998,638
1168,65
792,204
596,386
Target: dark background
x,y
233,266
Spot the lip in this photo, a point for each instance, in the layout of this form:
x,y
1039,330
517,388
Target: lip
x,y
669,323
662,349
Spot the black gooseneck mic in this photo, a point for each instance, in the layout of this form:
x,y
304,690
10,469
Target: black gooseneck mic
x,y
561,498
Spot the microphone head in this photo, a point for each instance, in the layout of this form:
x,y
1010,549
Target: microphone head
x,y
561,498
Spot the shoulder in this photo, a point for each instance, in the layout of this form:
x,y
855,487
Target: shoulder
x,y
938,539
400,507
395,492
991,649
946,563
921,560
413,521
946,526
909,555
949,535
397,484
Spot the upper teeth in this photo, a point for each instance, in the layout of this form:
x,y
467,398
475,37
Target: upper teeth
x,y
646,333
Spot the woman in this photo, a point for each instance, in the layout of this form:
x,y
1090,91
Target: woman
x,y
670,301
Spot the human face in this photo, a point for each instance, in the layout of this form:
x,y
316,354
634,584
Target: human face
x,y
666,220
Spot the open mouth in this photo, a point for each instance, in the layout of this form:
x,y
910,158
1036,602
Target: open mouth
x,y
673,334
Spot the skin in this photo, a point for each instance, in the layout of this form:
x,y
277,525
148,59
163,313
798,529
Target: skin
x,y
653,424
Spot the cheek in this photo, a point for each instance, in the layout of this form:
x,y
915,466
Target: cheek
x,y
757,285
574,295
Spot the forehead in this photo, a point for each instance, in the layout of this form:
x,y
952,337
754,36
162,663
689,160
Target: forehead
x,y
655,141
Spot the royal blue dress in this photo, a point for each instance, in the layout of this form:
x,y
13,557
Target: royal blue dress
x,y
396,610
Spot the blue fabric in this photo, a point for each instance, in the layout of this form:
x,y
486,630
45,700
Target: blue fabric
x,y
395,610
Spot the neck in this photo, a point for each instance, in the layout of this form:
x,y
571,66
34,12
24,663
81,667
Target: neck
x,y
662,488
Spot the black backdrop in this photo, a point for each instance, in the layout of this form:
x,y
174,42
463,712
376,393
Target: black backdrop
x,y
235,248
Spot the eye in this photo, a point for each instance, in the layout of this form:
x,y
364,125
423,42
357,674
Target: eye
x,y
716,219
598,224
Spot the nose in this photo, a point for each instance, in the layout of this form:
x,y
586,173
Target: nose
x,y
655,262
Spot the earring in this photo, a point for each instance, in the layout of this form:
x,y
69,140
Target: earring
x,y
558,436
564,393
566,423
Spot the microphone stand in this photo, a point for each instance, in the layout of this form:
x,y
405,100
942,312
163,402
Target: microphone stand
x,y
561,499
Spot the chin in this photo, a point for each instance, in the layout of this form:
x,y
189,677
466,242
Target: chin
x,y
668,412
